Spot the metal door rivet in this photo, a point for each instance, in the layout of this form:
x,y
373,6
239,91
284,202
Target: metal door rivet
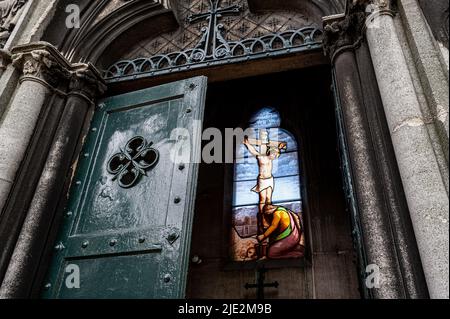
x,y
167,278
86,155
141,240
59,247
85,244
113,242
48,286
94,129
78,182
181,167
172,237
177,200
68,214
196,260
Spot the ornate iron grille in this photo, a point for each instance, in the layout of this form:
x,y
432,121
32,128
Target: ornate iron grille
x,y
213,48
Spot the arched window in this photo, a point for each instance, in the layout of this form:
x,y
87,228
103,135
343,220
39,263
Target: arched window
x,y
266,184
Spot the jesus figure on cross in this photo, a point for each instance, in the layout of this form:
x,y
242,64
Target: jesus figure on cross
x,y
269,151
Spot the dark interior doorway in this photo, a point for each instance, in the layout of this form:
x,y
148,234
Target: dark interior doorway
x,y
305,102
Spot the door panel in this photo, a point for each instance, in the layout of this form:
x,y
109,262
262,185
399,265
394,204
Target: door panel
x,y
128,222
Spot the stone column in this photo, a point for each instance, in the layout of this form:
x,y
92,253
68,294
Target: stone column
x,y
401,226
433,74
27,129
342,37
85,85
42,68
422,176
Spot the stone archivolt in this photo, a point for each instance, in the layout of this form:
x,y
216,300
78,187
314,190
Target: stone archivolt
x,y
9,15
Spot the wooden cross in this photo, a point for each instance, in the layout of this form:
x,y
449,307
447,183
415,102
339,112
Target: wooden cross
x,y
264,142
213,32
260,283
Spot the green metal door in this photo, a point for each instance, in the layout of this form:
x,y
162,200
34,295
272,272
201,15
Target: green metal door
x,y
127,226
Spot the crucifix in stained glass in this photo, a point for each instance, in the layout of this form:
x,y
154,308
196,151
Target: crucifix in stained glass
x,y
268,225
268,152
212,37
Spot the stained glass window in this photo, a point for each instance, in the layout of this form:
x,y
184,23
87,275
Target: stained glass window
x,y
267,218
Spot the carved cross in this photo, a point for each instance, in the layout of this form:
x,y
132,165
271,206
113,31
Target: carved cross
x,y
212,37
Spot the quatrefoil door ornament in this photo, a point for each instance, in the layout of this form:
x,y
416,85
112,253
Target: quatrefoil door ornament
x,y
132,162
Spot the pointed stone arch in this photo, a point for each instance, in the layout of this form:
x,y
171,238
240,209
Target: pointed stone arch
x,y
106,24
315,8
110,25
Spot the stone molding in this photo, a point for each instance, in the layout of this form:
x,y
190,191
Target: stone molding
x,y
86,81
9,15
5,60
378,7
344,31
42,62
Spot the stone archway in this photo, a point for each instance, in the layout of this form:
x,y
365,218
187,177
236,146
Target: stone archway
x,y
107,27
113,25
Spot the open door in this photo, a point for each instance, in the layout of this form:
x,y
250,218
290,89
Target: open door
x,y
127,227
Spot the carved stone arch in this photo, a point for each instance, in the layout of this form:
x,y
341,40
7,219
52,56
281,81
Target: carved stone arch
x,y
109,25
114,26
316,9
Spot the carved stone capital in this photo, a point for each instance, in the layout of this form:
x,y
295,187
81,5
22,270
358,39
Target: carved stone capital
x,y
344,31
5,60
87,81
376,8
41,61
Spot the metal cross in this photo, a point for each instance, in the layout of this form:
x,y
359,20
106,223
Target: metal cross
x,y
260,282
212,37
